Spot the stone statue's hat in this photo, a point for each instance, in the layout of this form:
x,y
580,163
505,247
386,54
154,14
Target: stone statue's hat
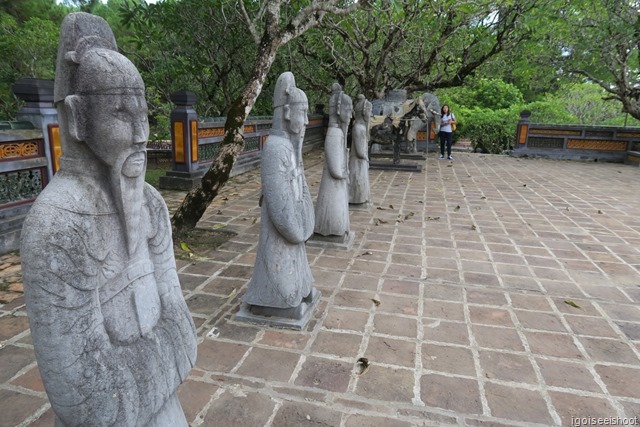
x,y
88,60
360,103
75,27
286,92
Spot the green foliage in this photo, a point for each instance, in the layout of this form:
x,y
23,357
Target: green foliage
x,y
586,102
492,131
484,93
550,111
28,50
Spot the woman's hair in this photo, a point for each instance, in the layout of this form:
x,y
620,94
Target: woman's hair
x,y
448,108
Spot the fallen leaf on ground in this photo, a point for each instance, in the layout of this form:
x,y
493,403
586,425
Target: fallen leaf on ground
x,y
376,301
456,209
185,247
433,218
216,226
572,304
232,294
363,366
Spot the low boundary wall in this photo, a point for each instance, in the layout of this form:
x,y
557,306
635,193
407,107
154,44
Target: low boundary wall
x,y
577,142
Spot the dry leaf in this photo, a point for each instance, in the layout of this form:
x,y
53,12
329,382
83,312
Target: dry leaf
x,y
433,218
254,220
380,208
376,301
216,226
483,198
572,304
363,366
391,206
366,253
456,209
473,227
213,333
600,212
232,294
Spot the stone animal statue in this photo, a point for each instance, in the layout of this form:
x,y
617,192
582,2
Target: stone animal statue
x,y
404,125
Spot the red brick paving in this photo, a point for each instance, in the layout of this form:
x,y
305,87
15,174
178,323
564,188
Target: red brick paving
x,y
474,326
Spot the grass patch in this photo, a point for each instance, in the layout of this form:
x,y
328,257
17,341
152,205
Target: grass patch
x,y
152,175
199,243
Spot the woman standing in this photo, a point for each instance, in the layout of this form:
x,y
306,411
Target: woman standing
x,y
446,131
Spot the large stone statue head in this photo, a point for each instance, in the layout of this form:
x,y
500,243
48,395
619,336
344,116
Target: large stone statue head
x,y
345,109
101,97
103,114
362,109
290,107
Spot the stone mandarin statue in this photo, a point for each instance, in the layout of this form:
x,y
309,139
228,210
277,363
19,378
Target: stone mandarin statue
x,y
332,206
282,277
359,191
112,333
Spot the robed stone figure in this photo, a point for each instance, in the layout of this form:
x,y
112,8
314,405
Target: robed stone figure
x,y
359,188
112,333
332,205
281,287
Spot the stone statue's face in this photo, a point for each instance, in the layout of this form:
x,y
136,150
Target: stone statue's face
x,y
366,111
298,118
118,130
346,111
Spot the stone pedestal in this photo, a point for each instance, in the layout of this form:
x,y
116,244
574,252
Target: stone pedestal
x,y
361,207
333,242
178,180
290,318
401,167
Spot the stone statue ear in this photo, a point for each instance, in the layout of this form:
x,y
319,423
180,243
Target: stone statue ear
x,y
287,112
75,122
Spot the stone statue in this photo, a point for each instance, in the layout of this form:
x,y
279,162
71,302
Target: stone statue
x,y
359,191
282,285
112,333
332,206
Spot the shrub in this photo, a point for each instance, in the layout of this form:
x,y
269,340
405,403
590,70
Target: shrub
x,y
492,131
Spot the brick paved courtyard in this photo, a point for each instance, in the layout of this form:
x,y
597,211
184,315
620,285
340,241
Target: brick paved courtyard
x,y
487,291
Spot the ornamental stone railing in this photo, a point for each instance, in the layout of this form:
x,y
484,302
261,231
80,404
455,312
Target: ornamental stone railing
x,y
577,142
27,152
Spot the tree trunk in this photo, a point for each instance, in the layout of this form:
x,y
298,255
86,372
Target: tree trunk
x,y
198,199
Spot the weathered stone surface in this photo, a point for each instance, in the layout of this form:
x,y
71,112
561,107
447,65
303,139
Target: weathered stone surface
x,y
112,333
359,189
332,205
282,280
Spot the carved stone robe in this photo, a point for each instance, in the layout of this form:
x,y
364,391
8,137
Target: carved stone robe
x,y
332,205
359,191
114,335
282,276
